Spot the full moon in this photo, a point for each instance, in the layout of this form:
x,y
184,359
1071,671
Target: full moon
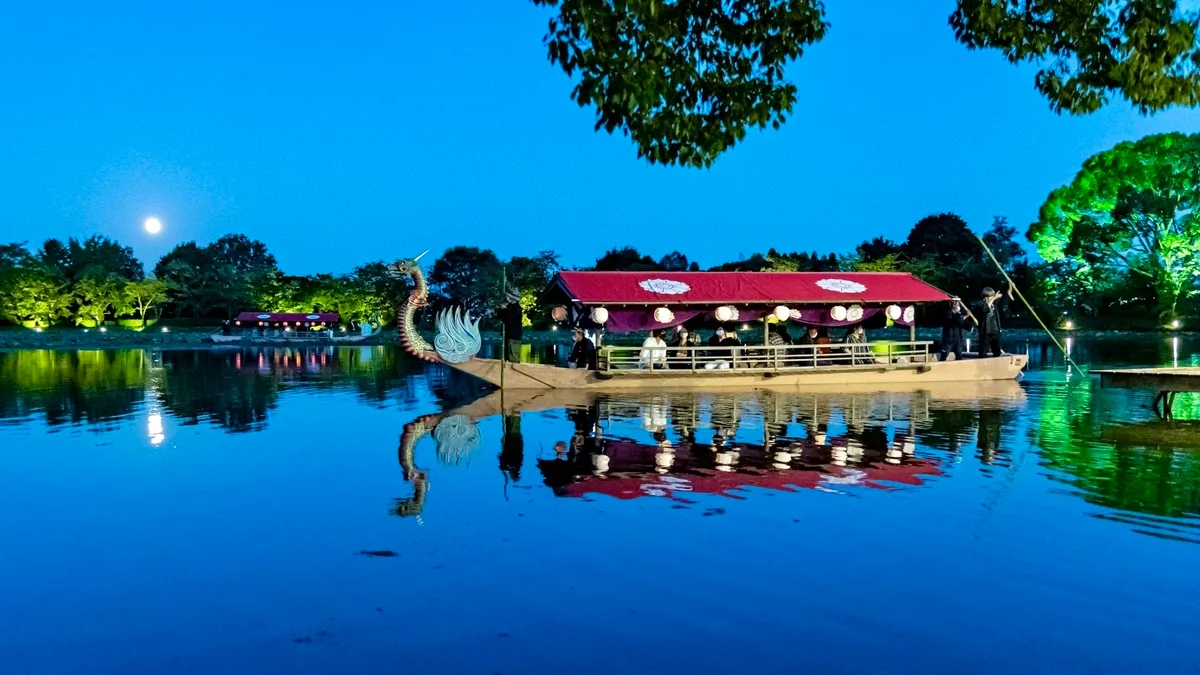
x,y
153,225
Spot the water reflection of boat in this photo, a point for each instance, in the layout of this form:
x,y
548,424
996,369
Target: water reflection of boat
x,y
631,470
865,454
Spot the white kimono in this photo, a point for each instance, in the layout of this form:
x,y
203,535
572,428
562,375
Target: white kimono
x,y
653,354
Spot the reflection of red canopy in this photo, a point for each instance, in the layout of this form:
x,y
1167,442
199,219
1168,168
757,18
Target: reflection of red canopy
x,y
752,471
270,317
745,288
708,481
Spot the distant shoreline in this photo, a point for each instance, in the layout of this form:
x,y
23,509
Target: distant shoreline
x,y
17,339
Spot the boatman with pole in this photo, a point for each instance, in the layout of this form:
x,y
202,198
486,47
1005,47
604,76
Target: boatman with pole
x,y
513,319
988,312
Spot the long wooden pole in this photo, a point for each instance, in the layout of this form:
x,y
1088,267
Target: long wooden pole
x,y
1028,306
503,334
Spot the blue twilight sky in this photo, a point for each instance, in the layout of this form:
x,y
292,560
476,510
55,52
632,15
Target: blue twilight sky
x,y
345,132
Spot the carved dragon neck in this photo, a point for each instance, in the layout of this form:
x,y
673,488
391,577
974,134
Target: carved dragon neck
x,y
410,338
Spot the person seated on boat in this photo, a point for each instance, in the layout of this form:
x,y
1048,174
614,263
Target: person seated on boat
x,y
720,359
805,357
680,356
856,337
654,351
777,335
823,352
583,352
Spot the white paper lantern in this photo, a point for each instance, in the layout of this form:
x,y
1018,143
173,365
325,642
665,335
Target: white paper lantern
x,y
854,313
894,312
838,313
725,313
910,313
735,312
782,313
600,315
663,315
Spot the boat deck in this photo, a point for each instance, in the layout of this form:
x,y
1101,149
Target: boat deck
x,y
1167,382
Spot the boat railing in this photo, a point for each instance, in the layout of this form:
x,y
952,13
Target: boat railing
x,y
281,334
707,359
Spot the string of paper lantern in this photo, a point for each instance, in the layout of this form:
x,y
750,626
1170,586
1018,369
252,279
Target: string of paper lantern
x,y
782,313
894,312
854,313
910,313
664,315
837,313
600,315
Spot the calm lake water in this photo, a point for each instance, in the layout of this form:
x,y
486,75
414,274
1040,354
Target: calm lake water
x,y
341,510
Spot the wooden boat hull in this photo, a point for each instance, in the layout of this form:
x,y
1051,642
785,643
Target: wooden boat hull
x,y
991,395
541,376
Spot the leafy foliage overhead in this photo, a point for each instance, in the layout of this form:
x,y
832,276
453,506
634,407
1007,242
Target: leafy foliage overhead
x,y
1144,50
686,78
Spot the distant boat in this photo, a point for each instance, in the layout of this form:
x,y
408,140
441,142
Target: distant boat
x,y
288,328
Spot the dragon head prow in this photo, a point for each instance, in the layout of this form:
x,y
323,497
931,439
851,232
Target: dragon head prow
x,y
406,267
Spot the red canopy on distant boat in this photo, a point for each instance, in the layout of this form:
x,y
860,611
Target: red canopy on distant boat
x,y
740,288
270,317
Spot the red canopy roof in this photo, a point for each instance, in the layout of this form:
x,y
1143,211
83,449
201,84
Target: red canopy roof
x,y
708,288
255,317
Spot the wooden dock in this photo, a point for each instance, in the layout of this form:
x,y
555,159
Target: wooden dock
x,y
1167,382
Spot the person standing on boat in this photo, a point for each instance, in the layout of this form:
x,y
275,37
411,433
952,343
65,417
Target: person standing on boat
x,y
952,330
583,353
514,324
988,315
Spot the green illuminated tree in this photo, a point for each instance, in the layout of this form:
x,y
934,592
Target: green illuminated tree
x,y
1131,212
95,294
142,296
36,295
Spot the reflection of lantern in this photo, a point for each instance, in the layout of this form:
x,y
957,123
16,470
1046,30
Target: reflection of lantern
x,y
600,315
237,323
838,313
260,323
854,313
909,314
663,315
894,312
782,313
559,313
